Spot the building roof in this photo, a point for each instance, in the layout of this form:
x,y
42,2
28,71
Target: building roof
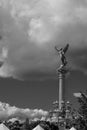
x,y
38,127
3,127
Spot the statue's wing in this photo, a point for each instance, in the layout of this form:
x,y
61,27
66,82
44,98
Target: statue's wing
x,y
66,48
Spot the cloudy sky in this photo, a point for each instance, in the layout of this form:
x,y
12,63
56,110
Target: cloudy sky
x,y
29,30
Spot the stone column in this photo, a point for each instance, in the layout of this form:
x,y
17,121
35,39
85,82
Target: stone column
x,y
61,77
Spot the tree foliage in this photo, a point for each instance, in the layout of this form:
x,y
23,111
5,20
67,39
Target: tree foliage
x,y
81,121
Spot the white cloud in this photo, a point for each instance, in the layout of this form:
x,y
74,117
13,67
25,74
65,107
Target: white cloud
x,y
77,95
9,112
6,71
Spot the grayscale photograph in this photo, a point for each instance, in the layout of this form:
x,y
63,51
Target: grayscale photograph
x,y
43,64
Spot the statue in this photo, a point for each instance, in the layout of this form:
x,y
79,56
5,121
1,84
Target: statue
x,y
61,53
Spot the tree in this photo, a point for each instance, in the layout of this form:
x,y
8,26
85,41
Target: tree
x,y
82,111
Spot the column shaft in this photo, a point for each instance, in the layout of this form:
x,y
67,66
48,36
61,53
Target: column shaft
x,y
61,89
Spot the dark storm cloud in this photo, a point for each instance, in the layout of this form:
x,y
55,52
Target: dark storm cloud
x,y
31,29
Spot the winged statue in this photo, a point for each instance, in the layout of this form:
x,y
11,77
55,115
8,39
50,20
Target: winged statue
x,y
61,53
